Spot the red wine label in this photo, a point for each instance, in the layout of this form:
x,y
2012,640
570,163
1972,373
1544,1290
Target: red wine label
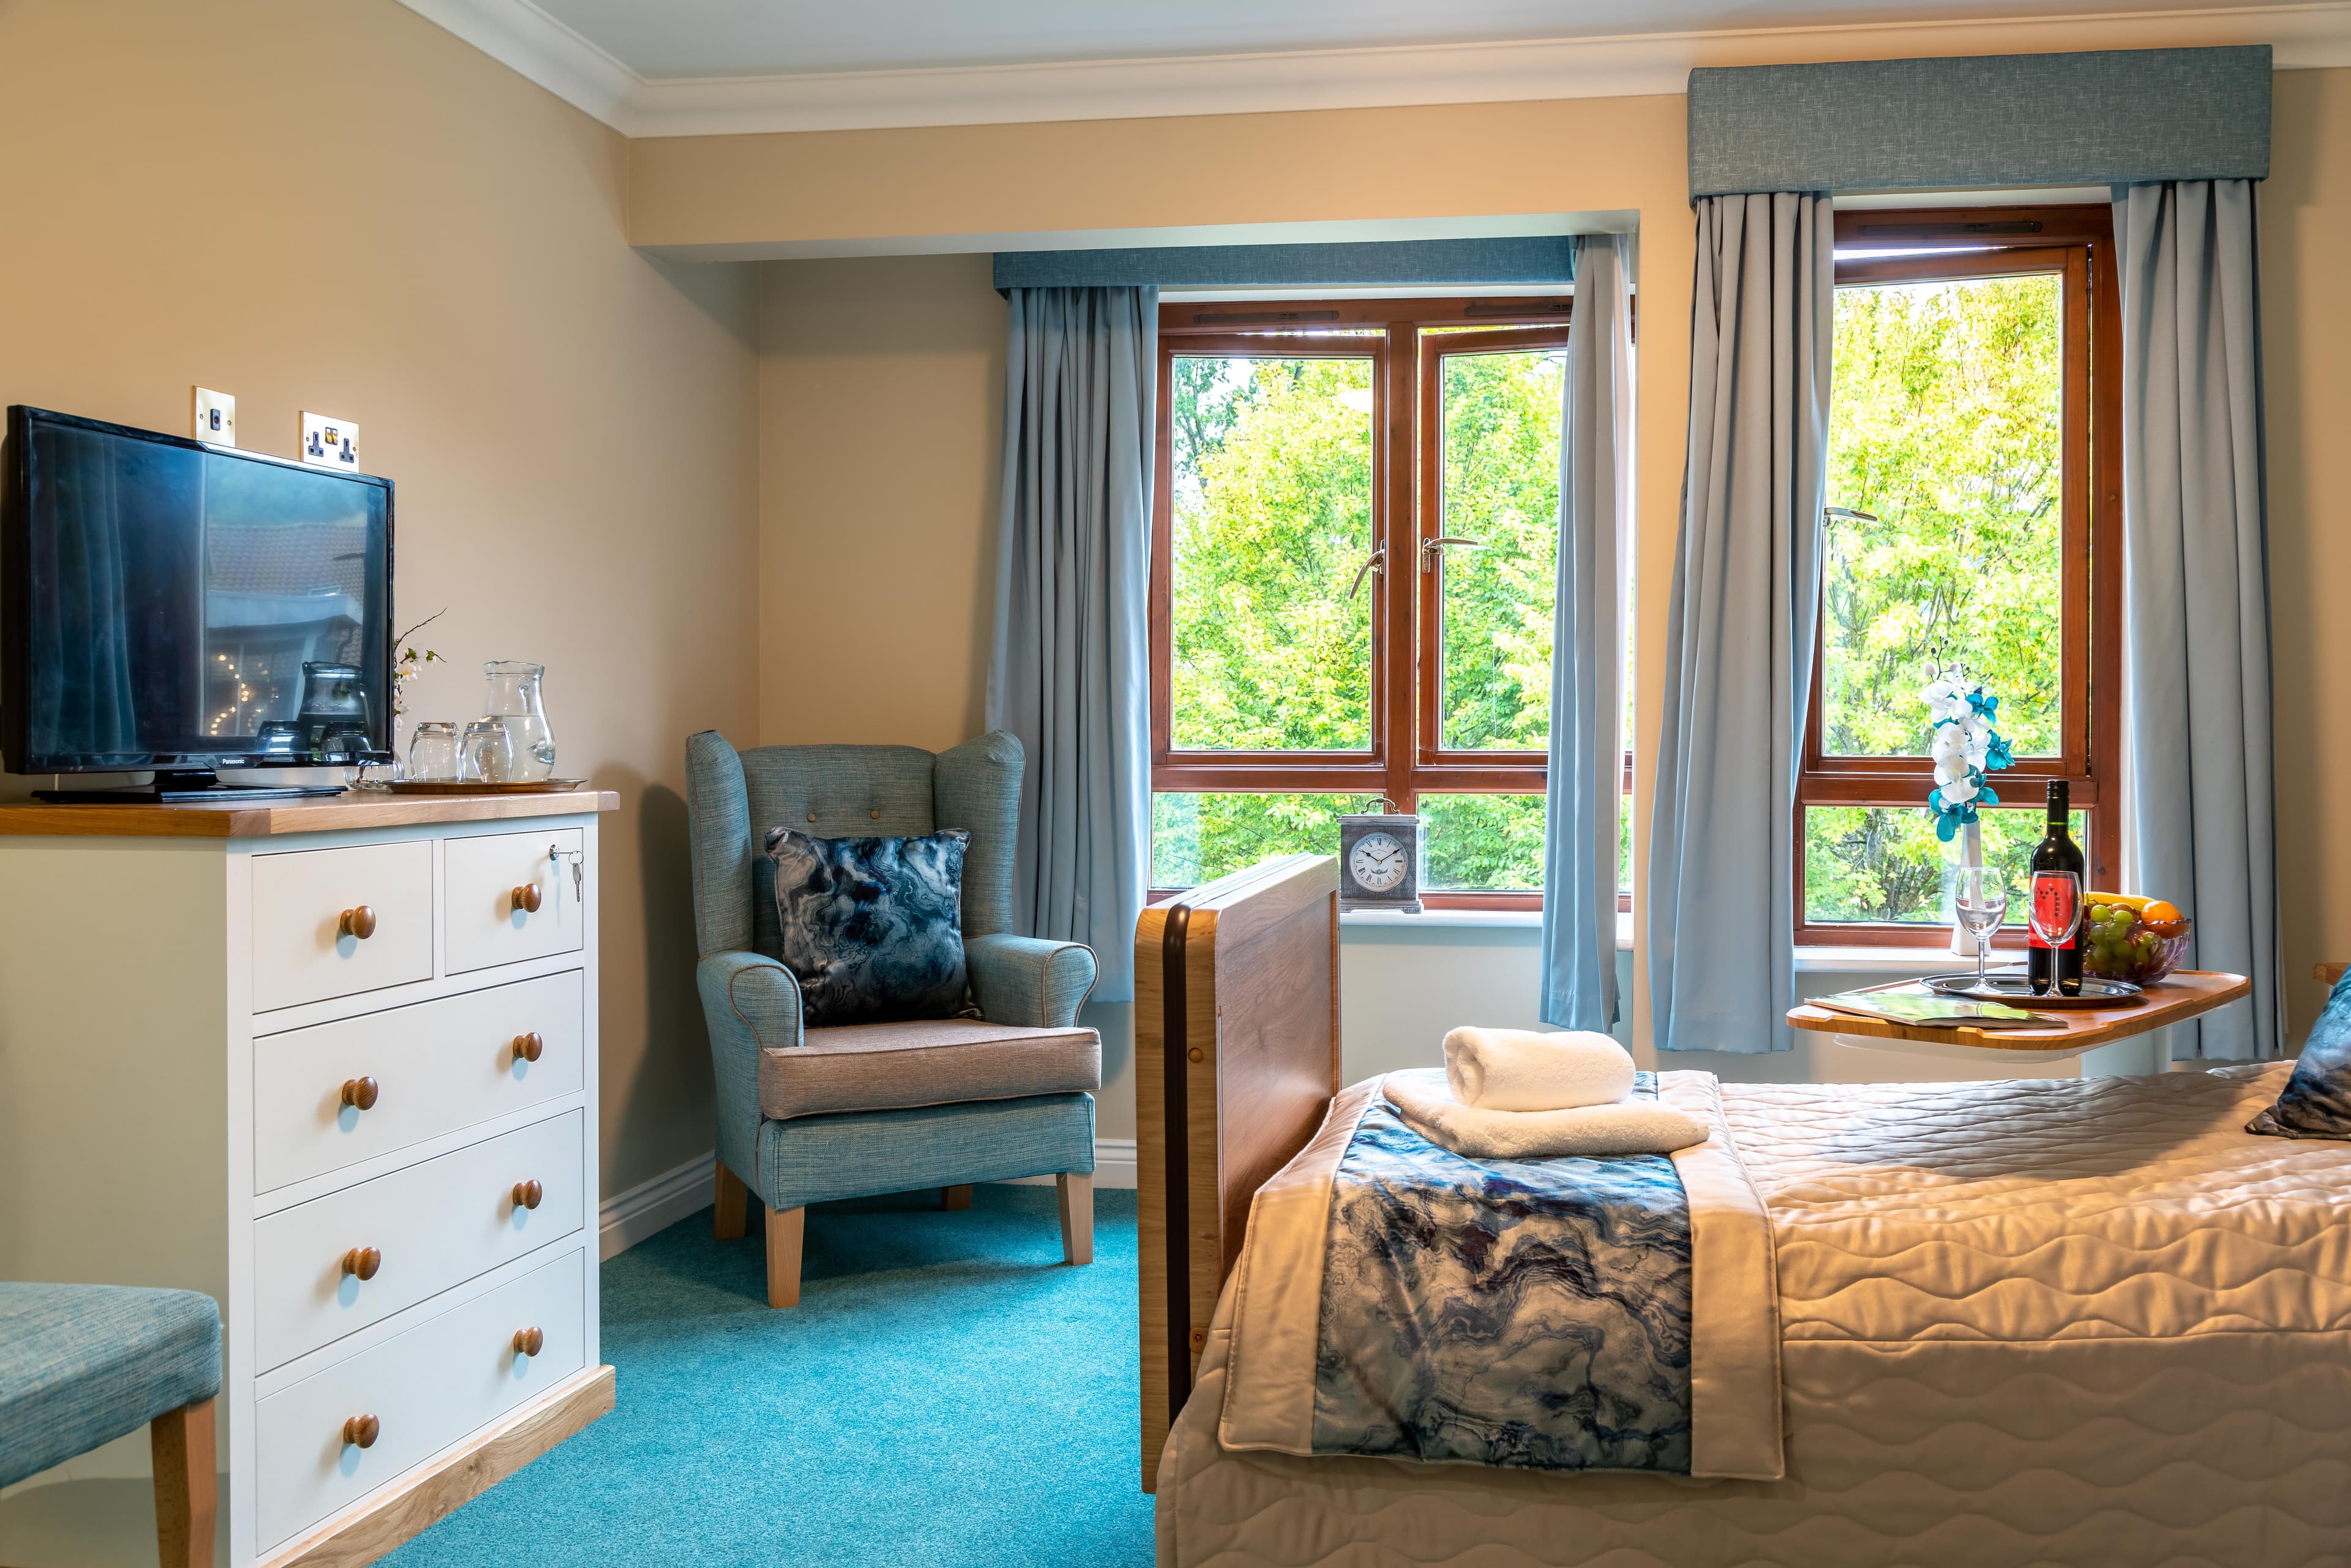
x,y
2052,907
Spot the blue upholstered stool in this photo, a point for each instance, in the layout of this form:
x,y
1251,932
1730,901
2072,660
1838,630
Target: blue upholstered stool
x,y
83,1364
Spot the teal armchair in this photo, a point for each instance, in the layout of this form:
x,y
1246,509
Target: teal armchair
x,y
809,1114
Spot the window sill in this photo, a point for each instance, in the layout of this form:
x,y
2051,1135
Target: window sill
x,y
1468,919
1918,960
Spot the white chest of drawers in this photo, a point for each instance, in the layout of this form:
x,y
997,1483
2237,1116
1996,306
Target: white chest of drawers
x,y
333,1062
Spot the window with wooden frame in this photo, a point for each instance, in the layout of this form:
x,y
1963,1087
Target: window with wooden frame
x,y
1974,496
1354,563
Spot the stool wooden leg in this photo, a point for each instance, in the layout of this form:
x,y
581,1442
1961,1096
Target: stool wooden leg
x,y
185,1499
954,1198
726,1216
784,1232
1077,1216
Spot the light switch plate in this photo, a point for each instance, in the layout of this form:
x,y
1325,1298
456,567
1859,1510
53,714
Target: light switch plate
x,y
215,417
329,442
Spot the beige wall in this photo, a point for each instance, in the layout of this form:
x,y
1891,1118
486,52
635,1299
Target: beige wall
x,y
344,208
2307,342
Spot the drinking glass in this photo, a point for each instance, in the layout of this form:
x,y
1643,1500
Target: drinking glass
x,y
487,753
1981,900
432,752
2057,912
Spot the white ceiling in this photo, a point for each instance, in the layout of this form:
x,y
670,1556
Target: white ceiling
x,y
697,66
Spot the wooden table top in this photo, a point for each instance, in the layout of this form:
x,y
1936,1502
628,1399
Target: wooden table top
x,y
265,819
2183,995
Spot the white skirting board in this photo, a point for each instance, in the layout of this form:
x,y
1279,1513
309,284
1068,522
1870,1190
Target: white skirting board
x,y
629,1218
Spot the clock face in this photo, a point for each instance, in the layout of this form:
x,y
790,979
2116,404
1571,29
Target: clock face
x,y
1378,863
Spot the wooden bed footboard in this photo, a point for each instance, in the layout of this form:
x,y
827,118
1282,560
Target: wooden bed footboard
x,y
1235,1060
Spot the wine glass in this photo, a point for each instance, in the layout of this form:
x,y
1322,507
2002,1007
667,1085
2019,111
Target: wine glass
x,y
2056,909
1980,903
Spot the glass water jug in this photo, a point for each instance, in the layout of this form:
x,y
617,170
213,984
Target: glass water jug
x,y
514,702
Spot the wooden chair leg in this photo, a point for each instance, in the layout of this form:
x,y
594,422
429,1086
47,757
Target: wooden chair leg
x,y
1077,1216
784,1232
956,1198
729,1212
186,1501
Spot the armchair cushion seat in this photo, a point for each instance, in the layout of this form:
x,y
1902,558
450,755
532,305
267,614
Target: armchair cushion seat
x,y
82,1365
941,1062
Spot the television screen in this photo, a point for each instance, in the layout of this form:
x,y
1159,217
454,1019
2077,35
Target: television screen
x,y
169,604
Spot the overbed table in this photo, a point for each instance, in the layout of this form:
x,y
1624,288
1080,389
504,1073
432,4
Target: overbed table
x,y
2169,1001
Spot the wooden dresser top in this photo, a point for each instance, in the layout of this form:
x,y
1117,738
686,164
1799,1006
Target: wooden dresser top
x,y
267,819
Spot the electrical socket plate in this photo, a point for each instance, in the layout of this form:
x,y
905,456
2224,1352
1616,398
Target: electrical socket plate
x,y
329,442
215,417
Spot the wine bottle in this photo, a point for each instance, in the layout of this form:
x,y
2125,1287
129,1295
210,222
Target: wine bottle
x,y
2056,902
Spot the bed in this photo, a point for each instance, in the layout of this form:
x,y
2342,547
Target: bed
x,y
2085,1321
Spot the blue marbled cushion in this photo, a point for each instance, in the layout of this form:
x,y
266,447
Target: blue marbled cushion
x,y
2317,1102
1531,1314
873,928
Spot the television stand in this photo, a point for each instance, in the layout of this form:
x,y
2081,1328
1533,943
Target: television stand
x,y
193,786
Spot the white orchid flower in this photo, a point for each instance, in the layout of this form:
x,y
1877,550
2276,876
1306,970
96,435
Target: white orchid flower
x,y
1959,791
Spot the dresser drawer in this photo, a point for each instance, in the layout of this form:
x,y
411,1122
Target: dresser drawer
x,y
310,907
336,1094
487,885
426,1389
431,1226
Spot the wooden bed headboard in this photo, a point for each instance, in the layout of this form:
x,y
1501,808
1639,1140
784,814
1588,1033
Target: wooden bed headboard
x,y
1235,1060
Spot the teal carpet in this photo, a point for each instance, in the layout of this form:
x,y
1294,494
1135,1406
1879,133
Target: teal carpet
x,y
946,1394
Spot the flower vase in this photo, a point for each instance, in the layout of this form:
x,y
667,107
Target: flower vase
x,y
1963,941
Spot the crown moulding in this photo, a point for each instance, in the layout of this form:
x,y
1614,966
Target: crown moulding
x,y
528,40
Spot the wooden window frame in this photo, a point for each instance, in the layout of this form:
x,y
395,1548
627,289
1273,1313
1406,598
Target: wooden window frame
x,y
1403,761
2011,239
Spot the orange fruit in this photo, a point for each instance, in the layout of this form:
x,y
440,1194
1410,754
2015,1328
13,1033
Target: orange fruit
x,y
2160,912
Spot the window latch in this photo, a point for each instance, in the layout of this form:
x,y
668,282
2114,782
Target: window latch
x,y
1433,550
1376,562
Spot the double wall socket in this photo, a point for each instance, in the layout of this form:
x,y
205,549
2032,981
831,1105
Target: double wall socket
x,y
215,419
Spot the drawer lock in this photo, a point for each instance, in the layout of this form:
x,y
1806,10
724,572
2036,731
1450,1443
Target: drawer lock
x,y
358,923
360,1431
529,1047
359,1093
363,1262
525,898
528,1341
527,1194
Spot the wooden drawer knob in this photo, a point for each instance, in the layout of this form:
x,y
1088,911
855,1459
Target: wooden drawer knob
x,y
362,1261
359,1093
527,1194
529,1047
525,898
357,922
360,1431
528,1341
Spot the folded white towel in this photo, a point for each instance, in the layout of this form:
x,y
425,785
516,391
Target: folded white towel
x,y
1531,1070
1627,1127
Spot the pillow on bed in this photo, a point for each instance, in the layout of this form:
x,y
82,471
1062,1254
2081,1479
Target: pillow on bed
x,y
2317,1098
873,928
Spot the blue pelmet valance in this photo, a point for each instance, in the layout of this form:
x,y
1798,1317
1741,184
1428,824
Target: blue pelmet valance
x,y
2116,117
1417,263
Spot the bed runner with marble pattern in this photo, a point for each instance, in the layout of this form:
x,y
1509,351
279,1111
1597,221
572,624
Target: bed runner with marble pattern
x,y
1394,1299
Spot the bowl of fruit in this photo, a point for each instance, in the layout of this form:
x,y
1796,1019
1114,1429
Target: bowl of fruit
x,y
2131,938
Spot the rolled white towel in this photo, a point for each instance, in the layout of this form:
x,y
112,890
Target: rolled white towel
x,y
1628,1127
1531,1070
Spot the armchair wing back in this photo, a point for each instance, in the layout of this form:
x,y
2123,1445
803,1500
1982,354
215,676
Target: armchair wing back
x,y
732,798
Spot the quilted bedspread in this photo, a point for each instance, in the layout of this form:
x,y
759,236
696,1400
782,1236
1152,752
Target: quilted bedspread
x,y
2018,1323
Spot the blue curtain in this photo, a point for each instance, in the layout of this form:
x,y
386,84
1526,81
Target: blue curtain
x,y
2196,636
1582,814
1068,667
1720,899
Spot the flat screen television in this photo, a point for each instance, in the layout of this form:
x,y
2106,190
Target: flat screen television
x,y
174,606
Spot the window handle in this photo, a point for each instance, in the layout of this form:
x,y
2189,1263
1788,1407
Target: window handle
x,y
1433,550
1376,562
1847,512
